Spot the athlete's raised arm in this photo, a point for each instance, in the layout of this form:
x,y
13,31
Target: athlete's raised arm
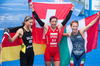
x,y
41,23
90,24
67,18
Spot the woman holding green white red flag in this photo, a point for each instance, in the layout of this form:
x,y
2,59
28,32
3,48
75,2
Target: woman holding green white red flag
x,y
78,42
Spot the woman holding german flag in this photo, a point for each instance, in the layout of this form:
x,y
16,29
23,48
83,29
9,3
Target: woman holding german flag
x,y
25,38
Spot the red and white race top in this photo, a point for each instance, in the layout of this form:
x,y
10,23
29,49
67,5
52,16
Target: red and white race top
x,y
52,37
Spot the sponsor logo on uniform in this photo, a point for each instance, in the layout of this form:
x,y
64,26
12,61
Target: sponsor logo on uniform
x,y
53,33
29,38
78,36
56,30
57,58
53,36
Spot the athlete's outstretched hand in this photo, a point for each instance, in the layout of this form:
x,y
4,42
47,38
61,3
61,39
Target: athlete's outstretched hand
x,y
72,7
31,6
7,31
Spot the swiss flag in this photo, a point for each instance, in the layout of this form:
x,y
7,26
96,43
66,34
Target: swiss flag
x,y
45,11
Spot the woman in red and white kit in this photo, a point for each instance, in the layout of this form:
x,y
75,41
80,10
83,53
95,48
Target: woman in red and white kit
x,y
52,36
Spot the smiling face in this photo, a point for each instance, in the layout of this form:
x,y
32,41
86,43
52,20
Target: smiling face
x,y
29,23
74,27
53,22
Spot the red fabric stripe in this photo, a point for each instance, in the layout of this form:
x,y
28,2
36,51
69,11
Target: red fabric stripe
x,y
71,64
38,36
20,40
81,64
34,30
92,33
6,42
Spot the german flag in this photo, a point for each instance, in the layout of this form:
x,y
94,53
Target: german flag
x,y
11,51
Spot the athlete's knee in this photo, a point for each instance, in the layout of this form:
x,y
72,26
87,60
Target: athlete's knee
x,y
56,63
48,63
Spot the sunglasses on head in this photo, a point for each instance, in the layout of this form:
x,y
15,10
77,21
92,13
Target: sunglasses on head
x,y
28,18
53,17
75,21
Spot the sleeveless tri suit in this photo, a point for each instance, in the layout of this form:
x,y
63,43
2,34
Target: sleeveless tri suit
x,y
26,53
52,48
78,51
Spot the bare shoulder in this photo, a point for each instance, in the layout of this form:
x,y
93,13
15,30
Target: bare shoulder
x,y
59,26
20,31
46,27
81,30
